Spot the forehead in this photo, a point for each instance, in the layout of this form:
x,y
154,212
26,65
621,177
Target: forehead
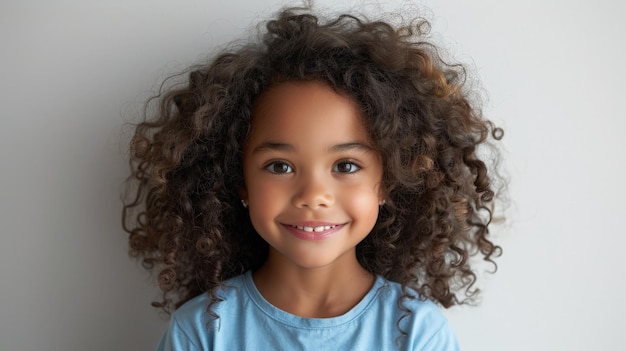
x,y
306,112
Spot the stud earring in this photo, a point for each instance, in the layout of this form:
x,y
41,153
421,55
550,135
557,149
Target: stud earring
x,y
244,203
382,203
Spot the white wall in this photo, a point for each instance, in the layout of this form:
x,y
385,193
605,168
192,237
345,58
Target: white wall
x,y
71,73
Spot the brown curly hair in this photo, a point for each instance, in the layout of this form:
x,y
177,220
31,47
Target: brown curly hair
x,y
183,212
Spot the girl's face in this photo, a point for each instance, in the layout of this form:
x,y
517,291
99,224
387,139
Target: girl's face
x,y
312,178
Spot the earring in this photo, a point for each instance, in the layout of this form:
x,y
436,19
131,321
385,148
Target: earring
x,y
244,203
382,203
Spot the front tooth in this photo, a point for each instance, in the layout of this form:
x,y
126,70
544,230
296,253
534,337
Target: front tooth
x,y
315,229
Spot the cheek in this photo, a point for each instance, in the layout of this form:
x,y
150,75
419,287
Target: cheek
x,y
262,193
265,203
364,204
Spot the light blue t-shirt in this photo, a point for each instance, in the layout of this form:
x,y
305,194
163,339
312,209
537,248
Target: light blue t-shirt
x,y
248,322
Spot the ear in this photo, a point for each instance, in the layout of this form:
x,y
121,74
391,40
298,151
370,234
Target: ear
x,y
243,193
381,195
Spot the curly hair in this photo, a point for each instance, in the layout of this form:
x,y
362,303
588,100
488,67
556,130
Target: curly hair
x,y
183,212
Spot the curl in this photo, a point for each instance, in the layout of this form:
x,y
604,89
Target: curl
x,y
183,215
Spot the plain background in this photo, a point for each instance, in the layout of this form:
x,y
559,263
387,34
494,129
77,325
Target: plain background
x,y
73,72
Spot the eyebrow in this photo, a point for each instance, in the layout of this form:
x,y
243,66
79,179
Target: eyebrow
x,y
273,146
354,145
284,147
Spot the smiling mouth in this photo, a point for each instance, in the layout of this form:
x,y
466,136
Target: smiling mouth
x,y
313,233
315,229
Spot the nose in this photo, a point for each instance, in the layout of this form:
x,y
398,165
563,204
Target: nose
x,y
314,191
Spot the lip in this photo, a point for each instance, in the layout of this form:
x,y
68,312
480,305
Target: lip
x,y
313,235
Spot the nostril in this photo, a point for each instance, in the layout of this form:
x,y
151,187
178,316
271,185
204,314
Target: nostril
x,y
313,191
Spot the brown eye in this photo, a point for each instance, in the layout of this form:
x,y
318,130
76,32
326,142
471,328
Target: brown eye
x,y
279,168
346,167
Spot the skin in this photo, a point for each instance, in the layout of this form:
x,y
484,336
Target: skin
x,y
312,184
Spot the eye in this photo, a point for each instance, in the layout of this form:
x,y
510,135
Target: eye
x,y
279,167
346,167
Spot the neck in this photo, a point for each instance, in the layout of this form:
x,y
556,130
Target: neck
x,y
318,292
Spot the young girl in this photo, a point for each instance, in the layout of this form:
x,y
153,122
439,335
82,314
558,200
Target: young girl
x,y
318,189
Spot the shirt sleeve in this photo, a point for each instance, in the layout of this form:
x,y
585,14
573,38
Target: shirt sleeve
x,y
443,340
175,339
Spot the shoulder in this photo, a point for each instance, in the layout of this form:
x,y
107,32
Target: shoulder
x,y
419,308
426,326
192,326
196,309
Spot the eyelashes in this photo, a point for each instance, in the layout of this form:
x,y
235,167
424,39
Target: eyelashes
x,y
346,167
341,167
279,167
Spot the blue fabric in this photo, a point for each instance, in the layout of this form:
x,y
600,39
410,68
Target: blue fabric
x,y
248,322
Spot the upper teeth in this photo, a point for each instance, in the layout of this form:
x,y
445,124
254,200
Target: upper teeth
x,y
314,229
